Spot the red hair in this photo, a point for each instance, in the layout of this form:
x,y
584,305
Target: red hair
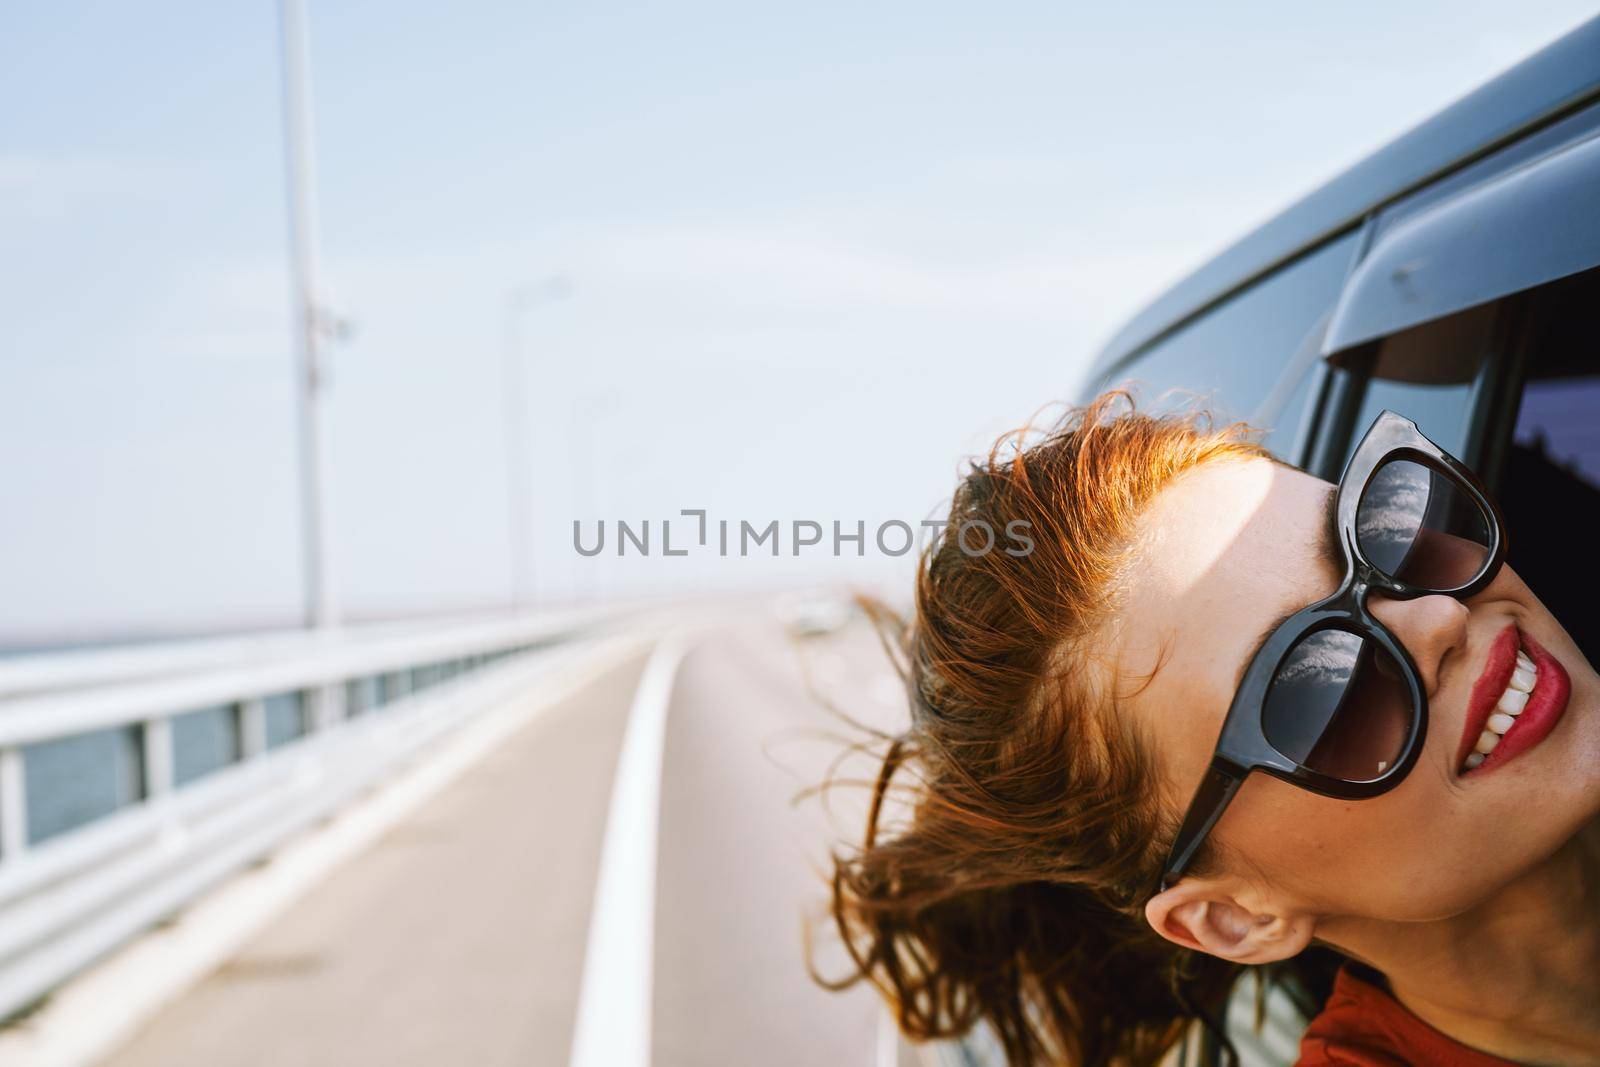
x,y
1012,894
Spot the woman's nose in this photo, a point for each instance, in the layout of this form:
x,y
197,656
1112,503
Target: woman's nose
x,y
1430,627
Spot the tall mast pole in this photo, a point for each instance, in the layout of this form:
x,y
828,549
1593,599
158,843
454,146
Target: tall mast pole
x,y
311,382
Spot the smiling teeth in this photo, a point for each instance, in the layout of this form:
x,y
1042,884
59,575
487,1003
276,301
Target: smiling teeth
x,y
1523,678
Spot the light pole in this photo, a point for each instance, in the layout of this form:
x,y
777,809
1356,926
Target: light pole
x,y
519,462
320,609
582,440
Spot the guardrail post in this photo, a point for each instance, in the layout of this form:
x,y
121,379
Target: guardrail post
x,y
252,728
327,706
13,805
158,758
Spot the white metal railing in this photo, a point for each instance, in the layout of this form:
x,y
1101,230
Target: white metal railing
x,y
70,897
34,674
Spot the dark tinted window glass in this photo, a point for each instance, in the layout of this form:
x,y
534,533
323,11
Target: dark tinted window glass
x,y
1428,374
1242,353
1560,419
1549,486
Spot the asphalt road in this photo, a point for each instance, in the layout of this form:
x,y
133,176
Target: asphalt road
x,y
741,863
459,938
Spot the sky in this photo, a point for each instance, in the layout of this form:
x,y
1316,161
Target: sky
x,y
815,255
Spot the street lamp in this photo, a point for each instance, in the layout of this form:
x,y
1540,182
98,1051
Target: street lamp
x,y
517,303
310,321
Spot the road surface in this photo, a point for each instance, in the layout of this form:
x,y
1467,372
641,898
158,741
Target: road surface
x,y
459,937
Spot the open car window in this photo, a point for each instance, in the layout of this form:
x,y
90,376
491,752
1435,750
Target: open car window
x,y
1548,480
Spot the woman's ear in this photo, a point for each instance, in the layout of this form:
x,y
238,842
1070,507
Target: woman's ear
x,y
1203,915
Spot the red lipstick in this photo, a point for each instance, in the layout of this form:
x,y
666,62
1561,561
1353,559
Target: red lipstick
x,y
1545,704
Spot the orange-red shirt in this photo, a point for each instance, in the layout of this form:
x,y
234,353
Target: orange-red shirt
x,y
1363,1026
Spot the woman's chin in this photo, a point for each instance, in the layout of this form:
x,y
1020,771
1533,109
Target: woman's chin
x,y
1559,781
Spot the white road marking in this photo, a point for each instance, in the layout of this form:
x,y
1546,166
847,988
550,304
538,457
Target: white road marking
x,y
614,1003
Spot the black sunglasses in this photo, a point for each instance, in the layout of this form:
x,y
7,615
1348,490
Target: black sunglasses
x,y
1332,702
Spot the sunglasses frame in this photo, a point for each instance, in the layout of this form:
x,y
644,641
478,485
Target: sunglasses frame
x,y
1242,746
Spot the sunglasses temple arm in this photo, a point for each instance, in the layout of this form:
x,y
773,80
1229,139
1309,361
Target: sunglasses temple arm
x,y
1210,801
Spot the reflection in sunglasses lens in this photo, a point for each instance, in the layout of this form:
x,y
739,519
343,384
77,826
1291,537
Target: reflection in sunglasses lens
x,y
1417,525
1339,705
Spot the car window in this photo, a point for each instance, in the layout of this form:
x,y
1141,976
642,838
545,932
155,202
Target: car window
x,y
1429,374
1557,421
1243,352
1549,485
1538,438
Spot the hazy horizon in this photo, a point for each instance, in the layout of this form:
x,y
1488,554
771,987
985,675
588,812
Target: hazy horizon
x,y
816,257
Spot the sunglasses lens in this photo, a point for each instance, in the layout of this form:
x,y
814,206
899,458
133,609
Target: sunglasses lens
x,y
1339,704
1419,526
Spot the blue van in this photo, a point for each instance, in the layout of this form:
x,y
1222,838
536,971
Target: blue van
x,y
1454,276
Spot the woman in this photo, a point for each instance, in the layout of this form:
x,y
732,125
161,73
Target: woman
x,y
1088,859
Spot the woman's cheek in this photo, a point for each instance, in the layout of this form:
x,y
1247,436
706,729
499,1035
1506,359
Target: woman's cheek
x,y
1288,834
1378,857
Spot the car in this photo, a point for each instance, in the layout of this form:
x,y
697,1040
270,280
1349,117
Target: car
x,y
1452,276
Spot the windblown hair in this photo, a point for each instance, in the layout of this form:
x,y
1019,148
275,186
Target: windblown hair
x,y
1013,892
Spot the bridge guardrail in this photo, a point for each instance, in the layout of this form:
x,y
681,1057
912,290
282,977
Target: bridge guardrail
x,y
365,700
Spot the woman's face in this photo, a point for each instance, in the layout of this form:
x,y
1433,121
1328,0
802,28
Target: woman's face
x,y
1228,550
